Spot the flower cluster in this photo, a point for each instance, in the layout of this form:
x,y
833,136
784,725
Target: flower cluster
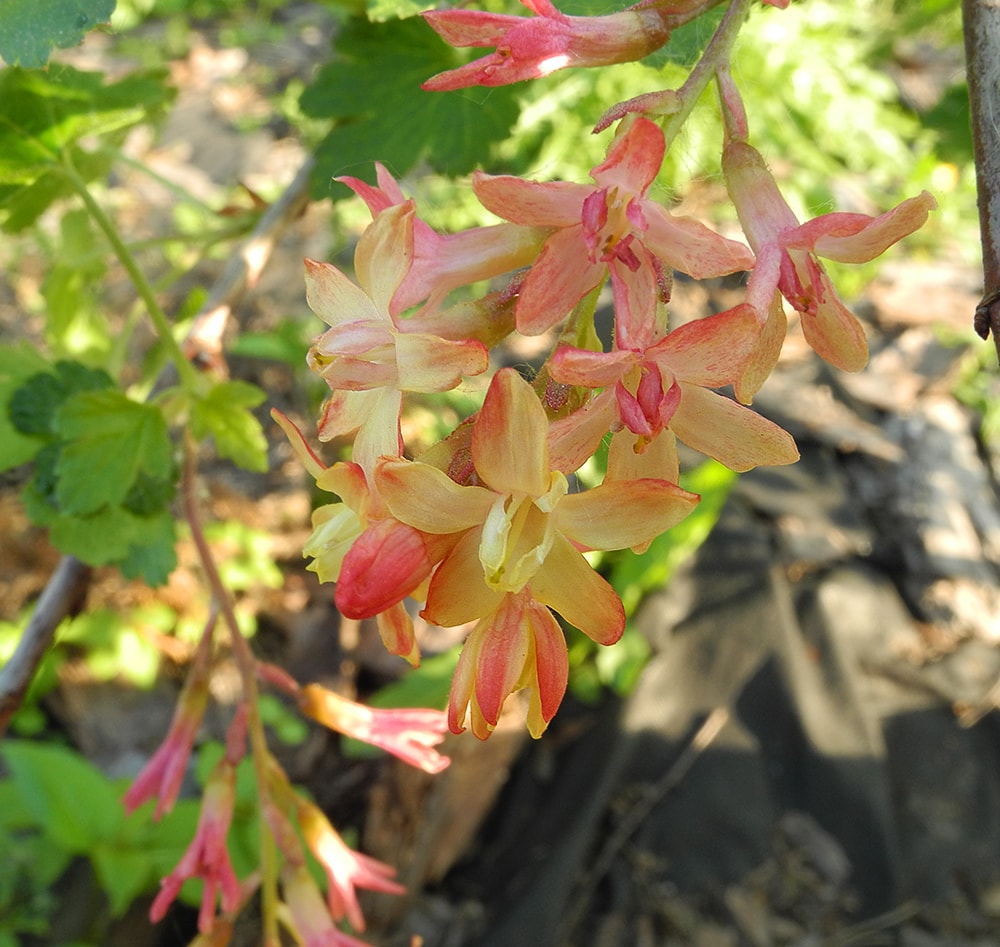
x,y
490,528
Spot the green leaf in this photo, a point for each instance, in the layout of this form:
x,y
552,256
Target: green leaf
x,y
380,65
124,874
30,28
152,556
44,117
223,414
69,799
109,439
18,363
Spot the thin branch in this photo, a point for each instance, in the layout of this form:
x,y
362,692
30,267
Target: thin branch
x,y
982,52
203,345
63,596
66,589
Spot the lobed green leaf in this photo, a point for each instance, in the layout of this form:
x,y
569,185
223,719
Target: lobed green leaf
x,y
30,28
379,65
224,415
108,439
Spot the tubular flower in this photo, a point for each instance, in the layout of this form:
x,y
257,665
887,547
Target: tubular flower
x,y
358,526
163,774
443,262
305,913
408,733
521,531
668,385
366,356
519,645
346,870
787,253
612,227
207,857
530,47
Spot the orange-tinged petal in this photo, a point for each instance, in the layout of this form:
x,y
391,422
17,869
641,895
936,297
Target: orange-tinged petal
x,y
509,439
395,627
428,363
344,412
691,247
846,239
506,647
560,277
765,354
633,160
709,351
619,514
428,499
573,366
458,591
531,203
385,253
379,435
630,460
834,332
729,432
346,481
551,668
463,683
573,439
298,443
387,562
334,298
567,583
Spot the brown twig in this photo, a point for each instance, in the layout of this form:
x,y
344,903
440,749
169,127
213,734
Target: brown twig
x,y
62,596
203,345
66,589
981,20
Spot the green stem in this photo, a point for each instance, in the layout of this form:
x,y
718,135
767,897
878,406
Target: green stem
x,y
247,666
185,370
716,54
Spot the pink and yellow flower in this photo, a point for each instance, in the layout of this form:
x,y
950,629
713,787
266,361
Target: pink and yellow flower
x,y
408,733
207,857
787,253
162,776
531,47
669,385
346,870
519,535
613,227
358,525
306,916
367,356
443,262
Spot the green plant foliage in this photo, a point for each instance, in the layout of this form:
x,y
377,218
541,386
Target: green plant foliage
x,y
108,441
30,28
245,555
18,444
112,646
45,116
104,469
223,414
379,65
62,806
